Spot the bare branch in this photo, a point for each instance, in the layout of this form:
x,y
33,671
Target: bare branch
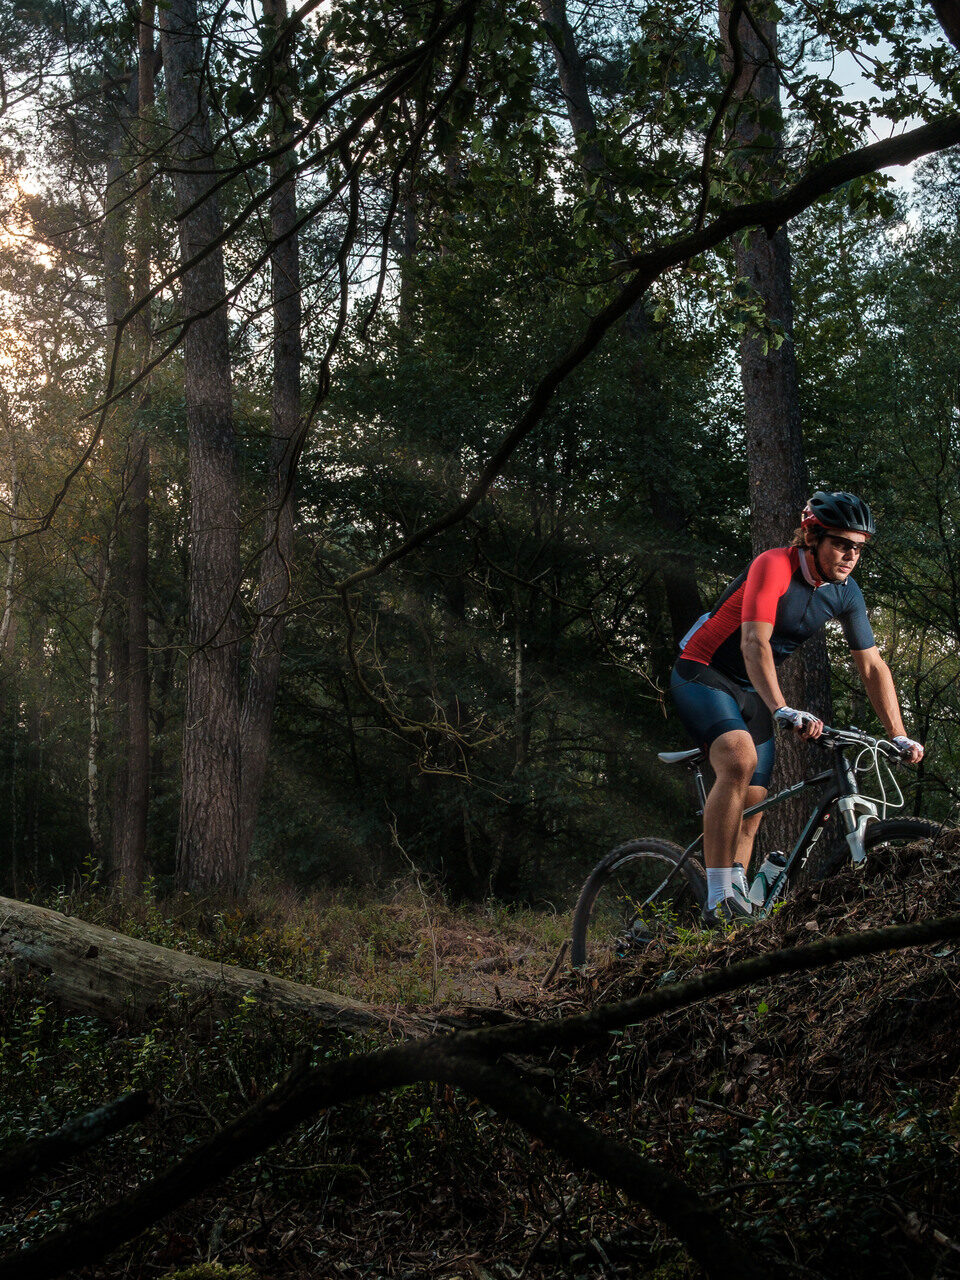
x,y
648,267
458,1060
76,1135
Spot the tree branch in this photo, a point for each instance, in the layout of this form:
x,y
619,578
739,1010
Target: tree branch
x,y
648,267
76,1135
439,1058
666,1197
948,15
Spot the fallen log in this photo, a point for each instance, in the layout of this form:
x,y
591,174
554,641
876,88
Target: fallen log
x,y
89,969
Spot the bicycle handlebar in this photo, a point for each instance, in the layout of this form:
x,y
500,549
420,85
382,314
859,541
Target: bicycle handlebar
x,y
858,738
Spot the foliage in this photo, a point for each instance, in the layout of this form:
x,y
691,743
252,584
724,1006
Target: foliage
x,y
388,949
819,1179
416,1179
489,708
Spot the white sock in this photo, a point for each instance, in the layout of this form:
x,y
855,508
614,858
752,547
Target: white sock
x,y
719,885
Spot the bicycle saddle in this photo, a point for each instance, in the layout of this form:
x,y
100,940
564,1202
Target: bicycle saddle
x,y
695,756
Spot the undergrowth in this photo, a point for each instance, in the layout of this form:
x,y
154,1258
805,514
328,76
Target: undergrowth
x,y
744,1098
406,948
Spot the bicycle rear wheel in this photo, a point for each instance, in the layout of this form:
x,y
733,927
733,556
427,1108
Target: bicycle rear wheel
x,y
890,831
633,888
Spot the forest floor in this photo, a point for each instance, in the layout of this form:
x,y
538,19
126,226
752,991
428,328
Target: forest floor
x,y
818,1113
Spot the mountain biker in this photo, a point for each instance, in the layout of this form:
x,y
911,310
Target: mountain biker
x,y
725,684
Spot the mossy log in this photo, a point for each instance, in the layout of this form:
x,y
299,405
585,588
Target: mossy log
x,y
99,971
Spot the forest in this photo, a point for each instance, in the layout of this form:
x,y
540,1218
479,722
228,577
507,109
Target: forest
x,y
385,390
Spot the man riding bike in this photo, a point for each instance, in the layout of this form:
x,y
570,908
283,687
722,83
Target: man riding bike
x,y
725,683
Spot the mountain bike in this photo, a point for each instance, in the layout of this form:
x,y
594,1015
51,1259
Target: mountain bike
x,y
650,880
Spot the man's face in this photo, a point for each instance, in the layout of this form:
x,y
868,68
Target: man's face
x,y
839,553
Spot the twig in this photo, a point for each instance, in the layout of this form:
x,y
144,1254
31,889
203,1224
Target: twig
x,y
435,980
555,967
463,1060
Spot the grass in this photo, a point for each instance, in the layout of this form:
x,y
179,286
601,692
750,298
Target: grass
x,y
819,1113
410,947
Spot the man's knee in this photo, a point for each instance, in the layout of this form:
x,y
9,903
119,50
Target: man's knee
x,y
733,758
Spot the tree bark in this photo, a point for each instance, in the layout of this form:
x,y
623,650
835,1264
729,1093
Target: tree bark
x,y
116,299
276,564
94,697
7,627
776,468
99,971
208,851
571,72
133,843
948,15
775,463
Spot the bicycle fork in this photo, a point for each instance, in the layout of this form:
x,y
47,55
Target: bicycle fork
x,y
855,812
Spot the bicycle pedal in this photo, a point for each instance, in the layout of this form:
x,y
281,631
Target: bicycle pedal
x,y
633,940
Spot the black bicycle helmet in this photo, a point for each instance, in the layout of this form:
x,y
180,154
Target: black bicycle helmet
x,y
838,511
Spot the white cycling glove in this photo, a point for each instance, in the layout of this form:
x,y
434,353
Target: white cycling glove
x,y
795,719
906,745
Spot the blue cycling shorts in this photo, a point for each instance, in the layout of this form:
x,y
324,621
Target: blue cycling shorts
x,y
709,703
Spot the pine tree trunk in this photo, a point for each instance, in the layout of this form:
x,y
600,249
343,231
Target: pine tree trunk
x,y
775,463
276,564
116,297
7,627
132,859
208,853
94,694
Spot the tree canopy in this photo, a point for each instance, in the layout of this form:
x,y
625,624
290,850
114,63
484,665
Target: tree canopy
x,y
511,463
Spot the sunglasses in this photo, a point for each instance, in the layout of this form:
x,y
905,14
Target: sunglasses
x,y
846,545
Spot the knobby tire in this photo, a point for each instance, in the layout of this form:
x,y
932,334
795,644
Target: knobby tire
x,y
603,916
887,831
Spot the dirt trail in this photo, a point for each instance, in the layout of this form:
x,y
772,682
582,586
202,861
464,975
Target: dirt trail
x,y
861,1030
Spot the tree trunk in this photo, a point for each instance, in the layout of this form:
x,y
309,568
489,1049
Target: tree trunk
x,y
7,628
116,299
573,82
32,759
775,464
99,971
133,843
276,564
93,742
208,852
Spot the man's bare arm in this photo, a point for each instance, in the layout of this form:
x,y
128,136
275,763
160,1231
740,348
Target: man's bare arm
x,y
762,671
882,693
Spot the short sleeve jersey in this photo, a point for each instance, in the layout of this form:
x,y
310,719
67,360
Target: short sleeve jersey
x,y
775,589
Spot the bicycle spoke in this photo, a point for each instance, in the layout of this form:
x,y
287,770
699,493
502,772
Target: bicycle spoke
x,y
648,889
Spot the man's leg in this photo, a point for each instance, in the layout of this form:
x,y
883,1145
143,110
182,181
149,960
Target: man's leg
x,y
733,758
749,827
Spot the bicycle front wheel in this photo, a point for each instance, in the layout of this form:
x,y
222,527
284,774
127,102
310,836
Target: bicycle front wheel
x,y
886,833
630,891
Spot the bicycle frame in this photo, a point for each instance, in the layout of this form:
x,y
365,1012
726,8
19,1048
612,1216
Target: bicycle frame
x,y
842,791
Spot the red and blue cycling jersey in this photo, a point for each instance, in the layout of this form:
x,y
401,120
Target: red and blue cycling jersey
x,y
777,588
